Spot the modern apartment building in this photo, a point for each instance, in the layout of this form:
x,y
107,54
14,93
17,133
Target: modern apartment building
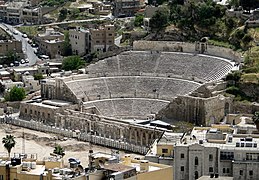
x,y
79,40
125,7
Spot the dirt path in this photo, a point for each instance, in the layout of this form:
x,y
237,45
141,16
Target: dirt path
x,y
43,144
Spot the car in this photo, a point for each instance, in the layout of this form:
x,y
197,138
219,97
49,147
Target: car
x,y
74,160
24,35
22,61
44,57
29,41
1,66
16,63
33,45
27,60
11,64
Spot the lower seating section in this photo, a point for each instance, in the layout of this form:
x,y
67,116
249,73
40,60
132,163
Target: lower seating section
x,y
138,108
130,87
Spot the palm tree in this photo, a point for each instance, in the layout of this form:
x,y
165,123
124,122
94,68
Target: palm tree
x,y
9,143
59,150
256,119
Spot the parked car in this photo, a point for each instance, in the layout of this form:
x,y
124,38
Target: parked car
x,y
16,63
22,61
24,35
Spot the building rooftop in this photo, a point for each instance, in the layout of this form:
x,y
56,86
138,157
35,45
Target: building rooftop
x,y
118,167
218,178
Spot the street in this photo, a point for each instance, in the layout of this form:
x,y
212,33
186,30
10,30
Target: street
x,y
28,50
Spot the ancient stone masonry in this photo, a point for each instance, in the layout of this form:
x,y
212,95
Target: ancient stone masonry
x,y
108,104
200,111
107,127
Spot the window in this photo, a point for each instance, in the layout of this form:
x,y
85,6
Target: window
x,y
224,170
196,174
1,177
241,172
226,155
182,168
250,173
110,34
97,41
164,150
196,161
182,156
210,157
211,169
25,110
227,170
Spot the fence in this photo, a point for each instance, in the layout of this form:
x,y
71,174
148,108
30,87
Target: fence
x,y
98,140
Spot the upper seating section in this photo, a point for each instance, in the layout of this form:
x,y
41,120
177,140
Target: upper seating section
x,y
130,87
166,64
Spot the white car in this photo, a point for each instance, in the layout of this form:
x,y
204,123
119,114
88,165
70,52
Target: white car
x,y
24,35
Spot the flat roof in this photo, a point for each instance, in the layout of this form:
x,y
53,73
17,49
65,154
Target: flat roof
x,y
118,167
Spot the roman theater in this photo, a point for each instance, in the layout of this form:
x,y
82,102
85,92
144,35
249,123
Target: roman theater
x,y
129,100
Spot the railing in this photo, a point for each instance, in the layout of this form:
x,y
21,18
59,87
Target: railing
x,y
108,142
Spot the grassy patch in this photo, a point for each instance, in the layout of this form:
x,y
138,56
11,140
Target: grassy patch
x,y
250,78
220,43
31,31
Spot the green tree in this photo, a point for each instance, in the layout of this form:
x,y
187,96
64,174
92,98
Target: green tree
x,y
59,150
11,57
67,49
246,41
72,63
62,14
138,20
16,94
160,19
9,143
38,76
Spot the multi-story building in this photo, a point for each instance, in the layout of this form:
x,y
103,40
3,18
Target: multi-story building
x,y
209,151
19,12
109,166
79,40
14,46
102,39
100,8
31,15
50,43
24,168
125,7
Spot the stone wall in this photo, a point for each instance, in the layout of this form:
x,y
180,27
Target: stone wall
x,y
107,127
201,111
244,107
186,47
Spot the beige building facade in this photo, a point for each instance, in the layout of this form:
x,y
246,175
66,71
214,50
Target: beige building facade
x,y
102,39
